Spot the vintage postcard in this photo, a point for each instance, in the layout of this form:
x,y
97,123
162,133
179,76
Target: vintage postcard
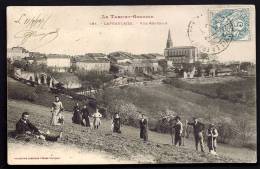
x,y
145,84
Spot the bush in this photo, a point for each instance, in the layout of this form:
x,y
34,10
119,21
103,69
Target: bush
x,y
41,89
251,146
22,95
225,133
94,79
127,111
10,69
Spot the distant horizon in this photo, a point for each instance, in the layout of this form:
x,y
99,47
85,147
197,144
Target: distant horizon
x,y
119,51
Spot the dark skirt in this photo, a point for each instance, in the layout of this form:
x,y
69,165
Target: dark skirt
x,y
117,127
144,134
77,118
87,121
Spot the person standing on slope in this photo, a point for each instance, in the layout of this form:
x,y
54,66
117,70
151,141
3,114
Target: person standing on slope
x,y
212,134
77,117
198,129
85,116
178,131
143,128
56,110
116,123
97,120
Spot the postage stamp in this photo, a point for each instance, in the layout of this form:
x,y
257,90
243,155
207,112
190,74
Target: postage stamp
x,y
231,21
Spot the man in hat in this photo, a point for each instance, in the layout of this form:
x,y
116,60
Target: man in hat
x,y
212,135
178,131
143,128
25,129
198,129
85,116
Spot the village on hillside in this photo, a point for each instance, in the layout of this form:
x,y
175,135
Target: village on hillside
x,y
121,68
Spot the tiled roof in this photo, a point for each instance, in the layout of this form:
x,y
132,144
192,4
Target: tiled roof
x,y
182,47
224,70
120,55
91,58
57,56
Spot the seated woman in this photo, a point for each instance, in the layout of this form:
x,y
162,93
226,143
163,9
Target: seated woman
x,y
25,128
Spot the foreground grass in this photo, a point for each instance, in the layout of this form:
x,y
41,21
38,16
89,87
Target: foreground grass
x,y
125,146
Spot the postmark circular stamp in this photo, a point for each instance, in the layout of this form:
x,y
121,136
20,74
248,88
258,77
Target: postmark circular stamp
x,y
210,42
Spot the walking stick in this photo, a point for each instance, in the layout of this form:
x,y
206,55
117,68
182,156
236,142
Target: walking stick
x,y
183,134
212,142
172,135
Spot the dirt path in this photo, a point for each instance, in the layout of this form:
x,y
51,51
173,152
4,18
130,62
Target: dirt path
x,y
77,134
52,155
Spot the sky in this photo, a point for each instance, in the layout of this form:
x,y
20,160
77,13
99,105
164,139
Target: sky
x,y
75,30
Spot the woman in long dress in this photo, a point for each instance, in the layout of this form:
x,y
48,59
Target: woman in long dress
x,y
143,128
56,110
97,120
116,124
77,116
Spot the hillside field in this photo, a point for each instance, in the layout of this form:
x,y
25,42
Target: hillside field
x,y
154,100
126,147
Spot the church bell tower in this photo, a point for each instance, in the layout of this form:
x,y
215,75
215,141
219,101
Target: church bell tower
x,y
169,40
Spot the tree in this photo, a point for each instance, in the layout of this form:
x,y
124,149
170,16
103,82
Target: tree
x,y
245,130
204,57
208,67
10,69
245,66
22,64
198,67
127,111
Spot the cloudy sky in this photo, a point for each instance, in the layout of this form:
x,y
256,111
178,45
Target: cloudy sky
x,y
79,30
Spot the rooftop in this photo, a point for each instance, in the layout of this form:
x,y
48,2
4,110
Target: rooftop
x,y
20,49
182,47
176,56
57,56
91,58
123,64
120,55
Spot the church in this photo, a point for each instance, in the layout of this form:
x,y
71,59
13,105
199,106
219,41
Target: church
x,y
180,54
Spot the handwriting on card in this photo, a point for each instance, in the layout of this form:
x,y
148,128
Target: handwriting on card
x,y
34,29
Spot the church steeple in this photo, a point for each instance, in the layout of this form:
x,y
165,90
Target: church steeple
x,y
169,40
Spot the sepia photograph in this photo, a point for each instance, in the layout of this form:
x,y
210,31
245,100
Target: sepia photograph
x,y
139,84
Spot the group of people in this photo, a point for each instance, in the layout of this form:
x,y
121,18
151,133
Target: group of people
x,y
82,117
198,130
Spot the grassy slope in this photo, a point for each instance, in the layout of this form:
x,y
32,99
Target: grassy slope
x,y
195,103
156,98
125,146
45,99
229,88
